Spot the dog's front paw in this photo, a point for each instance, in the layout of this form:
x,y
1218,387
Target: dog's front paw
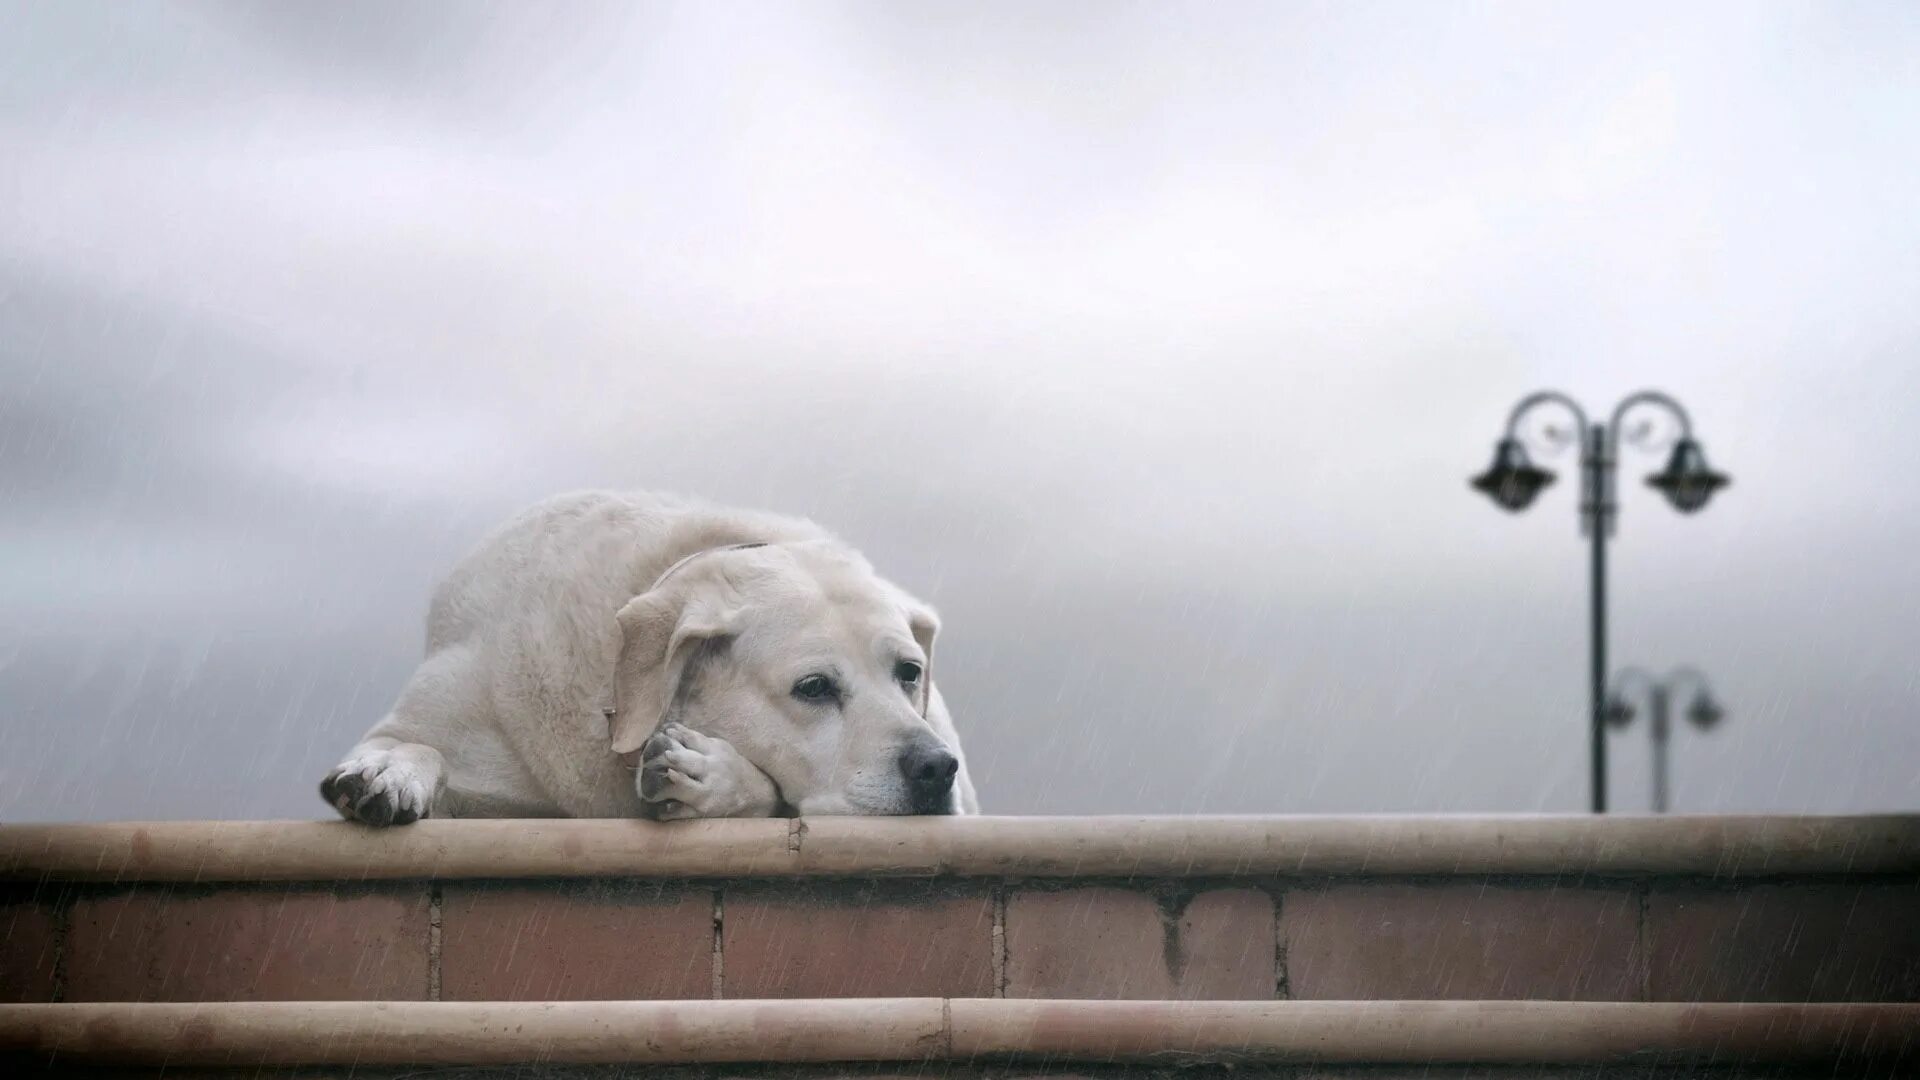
x,y
684,774
383,786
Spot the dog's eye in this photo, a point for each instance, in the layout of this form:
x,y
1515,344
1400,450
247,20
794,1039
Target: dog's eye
x,y
815,688
907,672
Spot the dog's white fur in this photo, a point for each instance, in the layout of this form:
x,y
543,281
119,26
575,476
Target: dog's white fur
x,y
597,623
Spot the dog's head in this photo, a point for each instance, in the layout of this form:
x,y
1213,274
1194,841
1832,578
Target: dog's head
x,y
811,665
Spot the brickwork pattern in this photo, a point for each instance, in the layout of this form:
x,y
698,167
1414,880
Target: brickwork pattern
x,y
1432,938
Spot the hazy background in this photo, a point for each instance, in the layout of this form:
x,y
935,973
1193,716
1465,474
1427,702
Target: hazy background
x,y
1153,344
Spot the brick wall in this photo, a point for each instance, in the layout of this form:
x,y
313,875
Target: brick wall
x,y
1654,938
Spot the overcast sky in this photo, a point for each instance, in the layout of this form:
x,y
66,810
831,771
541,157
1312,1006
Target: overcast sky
x,y
1151,343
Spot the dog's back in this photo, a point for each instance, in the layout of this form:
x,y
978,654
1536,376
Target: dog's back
x,y
586,550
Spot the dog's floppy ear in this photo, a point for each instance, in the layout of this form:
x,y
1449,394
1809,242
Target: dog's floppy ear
x,y
660,631
924,622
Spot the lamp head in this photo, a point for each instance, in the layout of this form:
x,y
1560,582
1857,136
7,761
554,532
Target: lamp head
x,y
1705,712
1687,481
1512,481
1618,711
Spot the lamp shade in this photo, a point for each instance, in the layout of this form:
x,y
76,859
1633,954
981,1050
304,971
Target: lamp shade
x,y
1618,711
1512,481
1705,712
1687,481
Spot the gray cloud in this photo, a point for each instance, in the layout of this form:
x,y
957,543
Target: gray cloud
x,y
1153,345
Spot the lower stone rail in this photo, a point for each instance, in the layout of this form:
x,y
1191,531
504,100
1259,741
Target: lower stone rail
x,y
241,1035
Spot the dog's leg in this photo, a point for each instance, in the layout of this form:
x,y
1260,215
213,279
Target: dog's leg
x,y
395,775
385,781
685,774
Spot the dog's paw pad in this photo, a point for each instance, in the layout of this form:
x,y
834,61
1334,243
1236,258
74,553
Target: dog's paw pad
x,y
675,749
342,791
378,790
658,780
684,774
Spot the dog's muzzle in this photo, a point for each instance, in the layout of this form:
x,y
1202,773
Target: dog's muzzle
x,y
929,768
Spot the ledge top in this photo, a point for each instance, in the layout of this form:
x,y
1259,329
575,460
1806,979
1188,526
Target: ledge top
x,y
1062,847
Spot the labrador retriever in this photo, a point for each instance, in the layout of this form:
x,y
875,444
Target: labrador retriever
x,y
616,655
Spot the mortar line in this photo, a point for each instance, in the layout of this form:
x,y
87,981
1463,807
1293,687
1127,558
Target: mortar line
x,y
999,940
1641,895
63,906
1282,984
719,948
433,942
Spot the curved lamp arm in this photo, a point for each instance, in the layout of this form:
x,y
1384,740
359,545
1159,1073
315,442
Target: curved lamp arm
x,y
1703,708
1688,678
1630,683
1637,399
1548,397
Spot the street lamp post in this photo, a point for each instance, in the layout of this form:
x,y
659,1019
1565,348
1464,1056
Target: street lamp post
x,y
1513,481
1703,712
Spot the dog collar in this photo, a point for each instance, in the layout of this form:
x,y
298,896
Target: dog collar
x,y
671,570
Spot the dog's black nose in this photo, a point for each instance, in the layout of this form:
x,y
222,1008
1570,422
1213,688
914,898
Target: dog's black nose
x,y
929,769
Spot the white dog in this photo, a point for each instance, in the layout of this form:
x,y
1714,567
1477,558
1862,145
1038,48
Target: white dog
x,y
608,655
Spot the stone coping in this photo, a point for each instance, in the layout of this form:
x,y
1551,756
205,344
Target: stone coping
x,y
1005,847
255,1034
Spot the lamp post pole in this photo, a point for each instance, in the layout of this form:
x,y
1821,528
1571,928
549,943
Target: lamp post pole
x,y
1513,482
1597,517
1703,712
1662,735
